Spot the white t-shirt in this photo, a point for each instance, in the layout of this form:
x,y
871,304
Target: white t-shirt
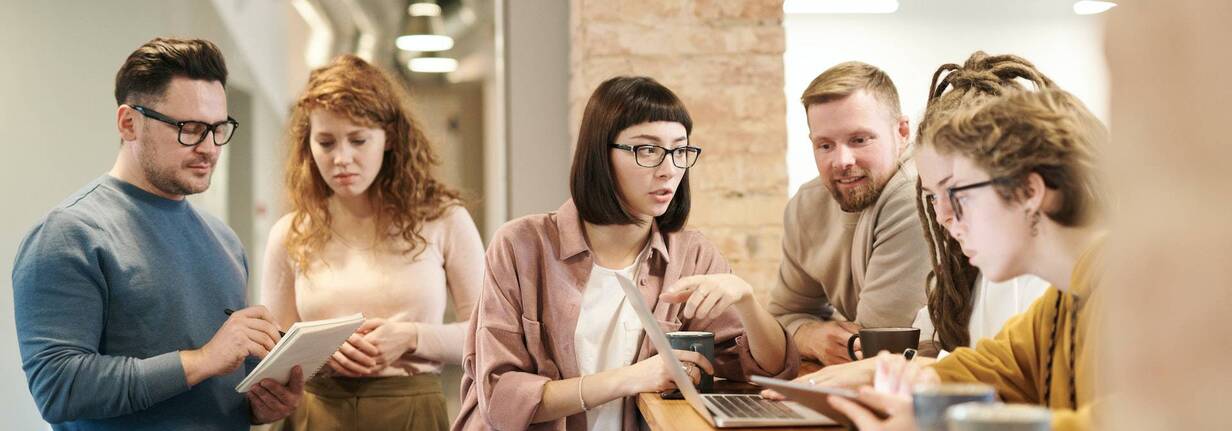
x,y
995,303
606,337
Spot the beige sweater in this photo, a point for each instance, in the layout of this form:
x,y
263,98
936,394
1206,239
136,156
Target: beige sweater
x,y
867,267
387,285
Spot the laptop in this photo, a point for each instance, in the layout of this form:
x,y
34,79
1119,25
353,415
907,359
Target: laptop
x,y
720,410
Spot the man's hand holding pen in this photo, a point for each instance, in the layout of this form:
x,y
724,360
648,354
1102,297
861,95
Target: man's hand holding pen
x,y
250,331
247,332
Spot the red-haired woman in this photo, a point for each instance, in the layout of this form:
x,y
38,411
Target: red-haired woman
x,y
372,231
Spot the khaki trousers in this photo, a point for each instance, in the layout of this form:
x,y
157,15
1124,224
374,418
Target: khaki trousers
x,y
375,403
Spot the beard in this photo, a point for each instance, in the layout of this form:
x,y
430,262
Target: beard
x,y
861,197
164,178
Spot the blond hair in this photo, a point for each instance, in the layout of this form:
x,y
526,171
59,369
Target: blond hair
x,y
844,79
1050,133
981,77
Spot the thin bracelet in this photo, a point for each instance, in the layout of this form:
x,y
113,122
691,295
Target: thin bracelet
x,y
580,397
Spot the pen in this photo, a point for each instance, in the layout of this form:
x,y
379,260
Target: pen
x,y
229,311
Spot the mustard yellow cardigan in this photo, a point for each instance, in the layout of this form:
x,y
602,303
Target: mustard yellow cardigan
x,y
1015,362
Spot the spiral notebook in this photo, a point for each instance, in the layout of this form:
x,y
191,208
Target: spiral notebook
x,y
307,344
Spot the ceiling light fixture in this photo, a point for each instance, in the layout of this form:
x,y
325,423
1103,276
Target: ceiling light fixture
x,y
422,30
432,64
796,7
1092,7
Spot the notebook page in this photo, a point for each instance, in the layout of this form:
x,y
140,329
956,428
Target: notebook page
x,y
307,344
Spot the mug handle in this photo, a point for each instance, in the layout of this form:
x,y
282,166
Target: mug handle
x,y
851,346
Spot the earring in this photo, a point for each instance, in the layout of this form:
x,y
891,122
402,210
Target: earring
x,y
1035,218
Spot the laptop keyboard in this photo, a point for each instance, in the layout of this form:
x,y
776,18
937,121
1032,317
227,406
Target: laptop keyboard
x,y
750,406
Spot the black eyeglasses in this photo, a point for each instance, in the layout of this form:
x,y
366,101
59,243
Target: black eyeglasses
x,y
650,156
956,204
193,132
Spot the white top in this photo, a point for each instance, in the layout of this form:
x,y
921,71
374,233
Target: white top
x,y
995,303
606,338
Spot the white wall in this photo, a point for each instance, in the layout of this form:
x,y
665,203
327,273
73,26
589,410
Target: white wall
x,y
536,65
496,137
57,116
911,43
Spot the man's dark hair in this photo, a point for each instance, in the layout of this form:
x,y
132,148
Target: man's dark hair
x,y
148,70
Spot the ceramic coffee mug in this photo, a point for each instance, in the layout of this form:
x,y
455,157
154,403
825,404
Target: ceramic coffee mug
x,y
931,401
998,417
874,340
700,342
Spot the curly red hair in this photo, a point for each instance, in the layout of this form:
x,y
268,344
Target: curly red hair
x,y
404,194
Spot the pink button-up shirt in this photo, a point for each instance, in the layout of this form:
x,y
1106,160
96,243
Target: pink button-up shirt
x,y
521,333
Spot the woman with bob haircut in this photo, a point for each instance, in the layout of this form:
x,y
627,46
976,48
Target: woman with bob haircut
x,y
554,343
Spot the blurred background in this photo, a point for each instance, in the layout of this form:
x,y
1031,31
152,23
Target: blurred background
x,y
500,85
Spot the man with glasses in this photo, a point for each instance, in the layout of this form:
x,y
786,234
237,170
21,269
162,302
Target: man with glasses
x,y
854,254
122,291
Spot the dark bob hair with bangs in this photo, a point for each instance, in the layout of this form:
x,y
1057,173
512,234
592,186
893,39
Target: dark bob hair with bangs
x,y
618,104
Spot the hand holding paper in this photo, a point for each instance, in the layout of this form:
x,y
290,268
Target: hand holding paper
x,y
308,345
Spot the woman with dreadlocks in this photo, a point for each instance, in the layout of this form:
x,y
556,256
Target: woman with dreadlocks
x,y
1023,198
963,305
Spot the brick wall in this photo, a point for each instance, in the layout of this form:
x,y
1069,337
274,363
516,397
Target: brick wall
x,y
724,58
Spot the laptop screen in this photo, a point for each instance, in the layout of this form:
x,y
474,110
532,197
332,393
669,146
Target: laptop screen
x,y
659,340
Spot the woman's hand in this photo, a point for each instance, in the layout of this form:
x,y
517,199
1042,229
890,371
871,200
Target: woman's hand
x,y
894,379
652,375
896,375
898,407
356,358
375,345
705,297
391,339
848,375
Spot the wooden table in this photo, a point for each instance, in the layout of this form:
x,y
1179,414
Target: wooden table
x,y
661,414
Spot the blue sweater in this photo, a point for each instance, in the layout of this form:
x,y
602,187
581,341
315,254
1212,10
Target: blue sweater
x,y
108,288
